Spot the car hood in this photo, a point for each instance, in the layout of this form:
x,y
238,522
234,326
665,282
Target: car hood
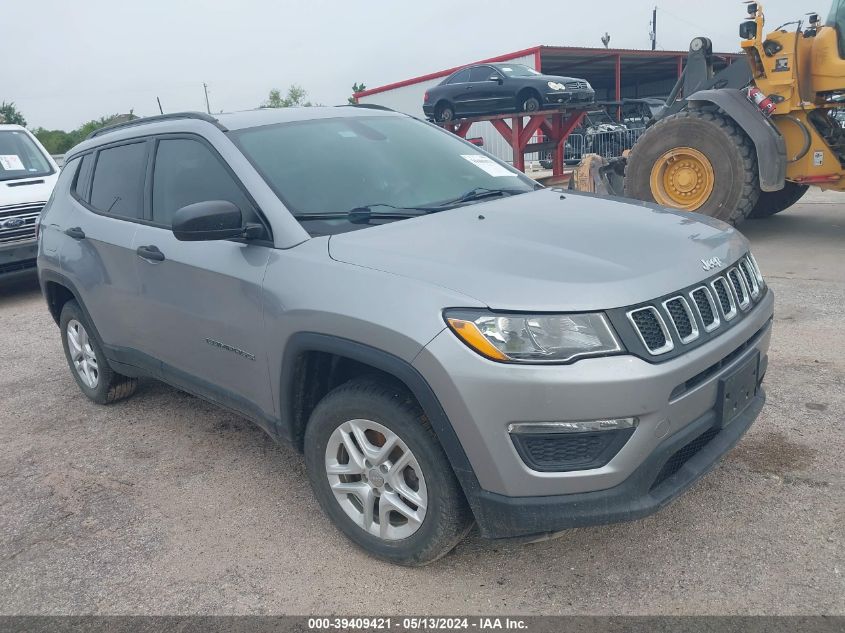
x,y
549,250
19,191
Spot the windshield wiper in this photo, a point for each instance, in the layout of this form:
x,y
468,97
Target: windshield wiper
x,y
365,213
479,193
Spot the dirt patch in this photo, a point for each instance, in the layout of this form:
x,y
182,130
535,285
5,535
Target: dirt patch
x,y
772,453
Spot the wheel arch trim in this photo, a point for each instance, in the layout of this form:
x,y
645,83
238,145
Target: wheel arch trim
x,y
768,143
303,342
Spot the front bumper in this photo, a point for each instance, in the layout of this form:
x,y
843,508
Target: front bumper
x,y
18,259
671,399
569,97
641,494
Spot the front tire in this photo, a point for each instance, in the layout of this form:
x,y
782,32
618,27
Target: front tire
x,y
771,202
695,160
87,362
531,104
379,473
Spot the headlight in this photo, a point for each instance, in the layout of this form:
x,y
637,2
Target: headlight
x,y
555,85
529,338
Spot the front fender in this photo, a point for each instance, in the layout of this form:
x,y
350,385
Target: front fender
x,y
769,144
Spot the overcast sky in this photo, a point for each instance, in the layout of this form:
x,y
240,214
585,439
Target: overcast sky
x,y
64,63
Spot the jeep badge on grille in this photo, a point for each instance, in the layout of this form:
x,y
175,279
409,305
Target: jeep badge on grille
x,y
710,264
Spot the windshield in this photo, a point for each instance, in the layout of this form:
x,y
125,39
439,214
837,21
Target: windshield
x,y
335,165
20,157
518,70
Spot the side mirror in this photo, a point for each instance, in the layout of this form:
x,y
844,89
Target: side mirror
x,y
495,78
209,220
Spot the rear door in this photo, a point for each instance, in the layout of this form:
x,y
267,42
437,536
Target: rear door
x,y
106,202
200,304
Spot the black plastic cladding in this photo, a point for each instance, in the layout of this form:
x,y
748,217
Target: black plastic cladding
x,y
625,329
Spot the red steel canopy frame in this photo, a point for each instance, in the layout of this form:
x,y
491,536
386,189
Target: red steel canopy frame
x,y
555,124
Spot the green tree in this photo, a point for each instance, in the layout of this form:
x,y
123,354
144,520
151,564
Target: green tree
x,y
54,141
9,113
295,97
59,141
356,88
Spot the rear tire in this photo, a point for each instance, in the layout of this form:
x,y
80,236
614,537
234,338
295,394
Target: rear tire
x,y
88,364
389,415
445,112
771,202
723,144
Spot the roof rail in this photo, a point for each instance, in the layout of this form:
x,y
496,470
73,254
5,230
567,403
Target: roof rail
x,y
159,117
369,106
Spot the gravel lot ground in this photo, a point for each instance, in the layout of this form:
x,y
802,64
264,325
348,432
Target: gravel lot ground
x,y
166,504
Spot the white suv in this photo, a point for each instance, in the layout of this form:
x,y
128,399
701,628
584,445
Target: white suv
x,y
27,178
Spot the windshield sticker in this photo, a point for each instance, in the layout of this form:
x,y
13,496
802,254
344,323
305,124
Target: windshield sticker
x,y
487,164
11,162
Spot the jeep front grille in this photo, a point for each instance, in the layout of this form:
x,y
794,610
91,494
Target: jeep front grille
x,y
17,222
706,307
743,296
726,298
694,315
682,319
651,330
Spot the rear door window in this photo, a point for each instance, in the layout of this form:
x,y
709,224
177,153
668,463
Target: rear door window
x,y
187,171
118,185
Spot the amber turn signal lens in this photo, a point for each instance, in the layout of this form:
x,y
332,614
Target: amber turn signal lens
x,y
472,336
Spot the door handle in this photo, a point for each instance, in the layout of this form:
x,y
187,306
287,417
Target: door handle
x,y
75,232
150,253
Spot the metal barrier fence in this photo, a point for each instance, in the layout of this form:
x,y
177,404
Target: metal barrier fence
x,y
607,144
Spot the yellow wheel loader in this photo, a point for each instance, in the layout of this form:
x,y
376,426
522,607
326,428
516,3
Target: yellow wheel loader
x,y
750,140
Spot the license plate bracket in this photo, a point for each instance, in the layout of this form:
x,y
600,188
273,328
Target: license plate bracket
x,y
737,390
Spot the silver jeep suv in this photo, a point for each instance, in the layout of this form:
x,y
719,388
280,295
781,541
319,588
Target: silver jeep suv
x,y
446,341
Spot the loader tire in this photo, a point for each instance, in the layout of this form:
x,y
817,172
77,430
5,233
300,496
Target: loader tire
x,y
771,202
695,160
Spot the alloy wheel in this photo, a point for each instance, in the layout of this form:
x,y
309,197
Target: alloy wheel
x,y
376,479
82,354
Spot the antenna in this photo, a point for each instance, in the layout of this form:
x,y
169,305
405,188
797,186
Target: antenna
x,y
605,39
207,107
159,105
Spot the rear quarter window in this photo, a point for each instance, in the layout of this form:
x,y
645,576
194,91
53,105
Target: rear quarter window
x,y
83,178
